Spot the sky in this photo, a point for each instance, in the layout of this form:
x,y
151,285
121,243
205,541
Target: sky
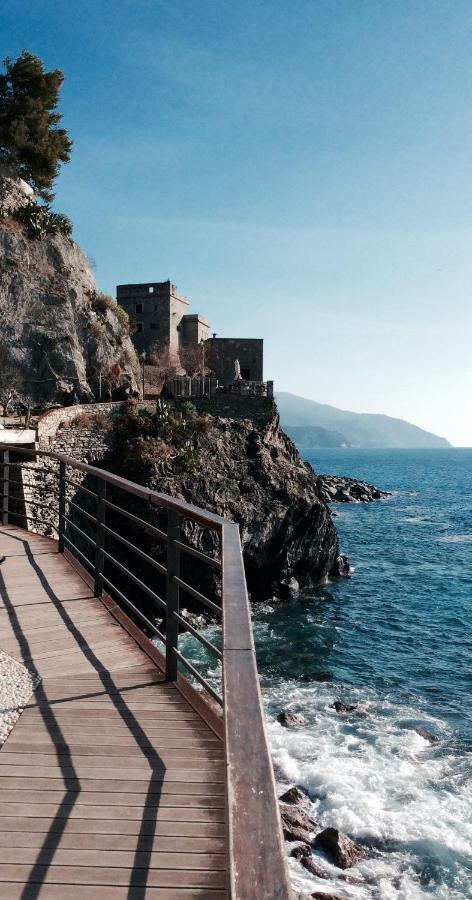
x,y
301,170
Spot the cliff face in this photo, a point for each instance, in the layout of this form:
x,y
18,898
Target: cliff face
x,y
55,330
252,474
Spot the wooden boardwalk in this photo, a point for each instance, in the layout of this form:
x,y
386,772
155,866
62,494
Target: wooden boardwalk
x,y
111,783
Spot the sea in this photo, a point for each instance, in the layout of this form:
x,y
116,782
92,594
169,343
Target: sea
x,y
395,640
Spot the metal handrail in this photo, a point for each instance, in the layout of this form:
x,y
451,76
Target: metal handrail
x,y
257,866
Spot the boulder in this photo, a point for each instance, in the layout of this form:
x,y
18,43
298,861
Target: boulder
x,y
309,861
339,847
295,796
297,825
343,707
427,735
291,720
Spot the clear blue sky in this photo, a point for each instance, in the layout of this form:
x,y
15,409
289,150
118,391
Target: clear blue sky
x,y
301,170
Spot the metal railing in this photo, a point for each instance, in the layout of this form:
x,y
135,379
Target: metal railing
x,y
157,565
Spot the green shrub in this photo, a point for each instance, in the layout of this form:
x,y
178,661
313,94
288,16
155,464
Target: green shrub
x,y
41,221
100,303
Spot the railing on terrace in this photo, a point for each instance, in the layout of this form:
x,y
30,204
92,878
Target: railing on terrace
x,y
183,386
153,563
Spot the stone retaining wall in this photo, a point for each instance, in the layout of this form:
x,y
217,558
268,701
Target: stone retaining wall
x,y
40,479
231,406
50,421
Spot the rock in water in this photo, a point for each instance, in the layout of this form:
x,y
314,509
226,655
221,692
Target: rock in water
x,y
427,735
291,720
343,707
342,850
295,796
55,330
297,824
303,853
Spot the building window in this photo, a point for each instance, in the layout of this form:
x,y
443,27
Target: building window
x,y
139,326
151,290
154,325
246,374
139,307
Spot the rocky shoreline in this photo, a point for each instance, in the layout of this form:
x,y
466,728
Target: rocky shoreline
x,y
317,849
340,489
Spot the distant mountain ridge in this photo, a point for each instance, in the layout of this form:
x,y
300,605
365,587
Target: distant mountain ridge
x,y
327,426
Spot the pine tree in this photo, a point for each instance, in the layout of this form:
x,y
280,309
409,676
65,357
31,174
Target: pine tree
x,y
30,140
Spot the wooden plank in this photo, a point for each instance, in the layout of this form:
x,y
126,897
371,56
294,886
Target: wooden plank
x,y
111,798
151,811
127,859
16,891
85,786
77,751
113,826
150,842
41,738
213,774
107,876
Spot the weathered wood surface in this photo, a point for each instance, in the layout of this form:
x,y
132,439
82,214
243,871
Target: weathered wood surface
x,y
111,784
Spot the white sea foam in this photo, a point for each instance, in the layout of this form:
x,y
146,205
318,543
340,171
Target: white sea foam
x,y
371,775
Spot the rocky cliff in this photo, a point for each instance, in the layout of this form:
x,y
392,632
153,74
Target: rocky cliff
x,y
250,473
56,330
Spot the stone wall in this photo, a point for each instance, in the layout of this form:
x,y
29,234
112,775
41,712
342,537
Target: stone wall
x,y
221,354
39,489
50,421
232,406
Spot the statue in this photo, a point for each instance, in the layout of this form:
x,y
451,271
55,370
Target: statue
x,y
237,370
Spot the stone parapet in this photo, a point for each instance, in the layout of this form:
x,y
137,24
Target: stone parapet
x,y
50,422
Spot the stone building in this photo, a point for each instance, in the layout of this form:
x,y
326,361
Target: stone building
x,y
221,354
161,316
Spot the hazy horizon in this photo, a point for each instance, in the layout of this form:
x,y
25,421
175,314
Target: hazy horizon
x,y
302,174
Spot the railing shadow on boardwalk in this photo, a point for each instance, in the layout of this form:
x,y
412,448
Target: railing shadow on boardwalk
x,y
146,835
255,850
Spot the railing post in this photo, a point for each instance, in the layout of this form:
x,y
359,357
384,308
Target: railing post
x,y
100,538
173,599
62,505
6,479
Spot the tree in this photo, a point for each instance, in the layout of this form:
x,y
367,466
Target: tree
x,y
192,357
30,140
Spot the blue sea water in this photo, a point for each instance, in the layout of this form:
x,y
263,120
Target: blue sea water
x,y
396,639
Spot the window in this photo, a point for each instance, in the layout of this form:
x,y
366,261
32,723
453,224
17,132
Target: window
x,y
139,307
246,374
139,326
154,325
151,290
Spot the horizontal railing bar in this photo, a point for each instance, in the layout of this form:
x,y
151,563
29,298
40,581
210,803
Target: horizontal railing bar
x,y
199,677
80,487
198,596
135,579
188,627
135,609
165,501
32,519
146,525
80,510
28,500
84,557
35,469
198,555
83,533
141,553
